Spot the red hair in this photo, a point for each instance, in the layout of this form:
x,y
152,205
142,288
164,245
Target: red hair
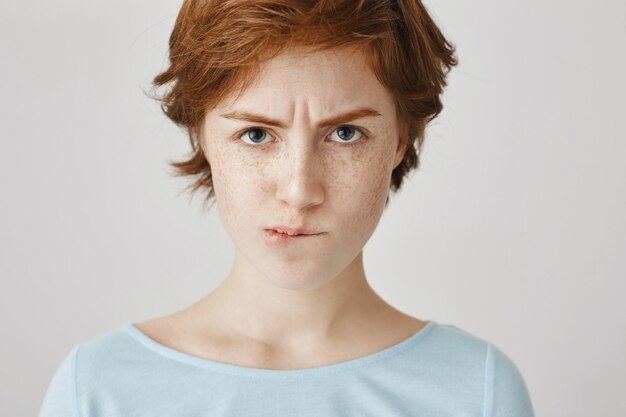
x,y
216,47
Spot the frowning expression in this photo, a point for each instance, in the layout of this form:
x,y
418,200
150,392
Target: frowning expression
x,y
311,144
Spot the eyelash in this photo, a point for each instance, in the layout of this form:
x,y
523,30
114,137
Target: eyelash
x,y
364,136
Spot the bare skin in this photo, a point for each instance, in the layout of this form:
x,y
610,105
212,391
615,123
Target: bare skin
x,y
307,303
218,342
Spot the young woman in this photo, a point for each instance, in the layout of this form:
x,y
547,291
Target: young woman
x,y
302,116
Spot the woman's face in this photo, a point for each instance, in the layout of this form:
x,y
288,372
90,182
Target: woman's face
x,y
312,145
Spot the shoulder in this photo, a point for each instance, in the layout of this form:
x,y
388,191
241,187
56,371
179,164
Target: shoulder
x,y
113,356
456,347
506,392
113,364
468,356
85,364
60,396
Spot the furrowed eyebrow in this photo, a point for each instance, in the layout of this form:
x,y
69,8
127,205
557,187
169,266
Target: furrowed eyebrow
x,y
335,120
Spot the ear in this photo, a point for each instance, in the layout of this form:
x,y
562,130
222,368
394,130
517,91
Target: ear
x,y
403,141
201,143
200,137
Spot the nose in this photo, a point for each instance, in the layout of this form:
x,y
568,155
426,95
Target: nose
x,y
300,183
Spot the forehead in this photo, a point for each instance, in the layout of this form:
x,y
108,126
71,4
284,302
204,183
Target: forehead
x,y
327,82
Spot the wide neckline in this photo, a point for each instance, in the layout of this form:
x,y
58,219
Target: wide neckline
x,y
240,370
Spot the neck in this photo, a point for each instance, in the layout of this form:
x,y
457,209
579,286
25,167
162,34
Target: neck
x,y
250,306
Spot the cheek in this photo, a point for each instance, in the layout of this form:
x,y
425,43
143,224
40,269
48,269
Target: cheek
x,y
373,193
364,189
235,182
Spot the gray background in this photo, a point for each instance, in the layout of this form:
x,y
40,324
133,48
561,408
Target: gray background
x,y
511,230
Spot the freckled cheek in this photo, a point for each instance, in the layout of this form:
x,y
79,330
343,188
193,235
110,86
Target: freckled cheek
x,y
238,184
372,172
375,193
361,195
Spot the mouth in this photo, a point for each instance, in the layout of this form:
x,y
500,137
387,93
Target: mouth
x,y
280,232
292,231
275,237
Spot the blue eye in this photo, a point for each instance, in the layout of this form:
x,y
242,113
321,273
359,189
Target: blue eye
x,y
254,135
343,134
346,134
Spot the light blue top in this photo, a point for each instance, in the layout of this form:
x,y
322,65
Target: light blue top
x,y
440,371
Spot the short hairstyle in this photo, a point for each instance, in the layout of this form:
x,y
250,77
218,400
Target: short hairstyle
x,y
216,47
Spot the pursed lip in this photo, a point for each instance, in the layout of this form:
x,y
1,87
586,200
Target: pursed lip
x,y
293,230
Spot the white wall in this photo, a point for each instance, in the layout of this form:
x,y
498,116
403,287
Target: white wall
x,y
513,220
